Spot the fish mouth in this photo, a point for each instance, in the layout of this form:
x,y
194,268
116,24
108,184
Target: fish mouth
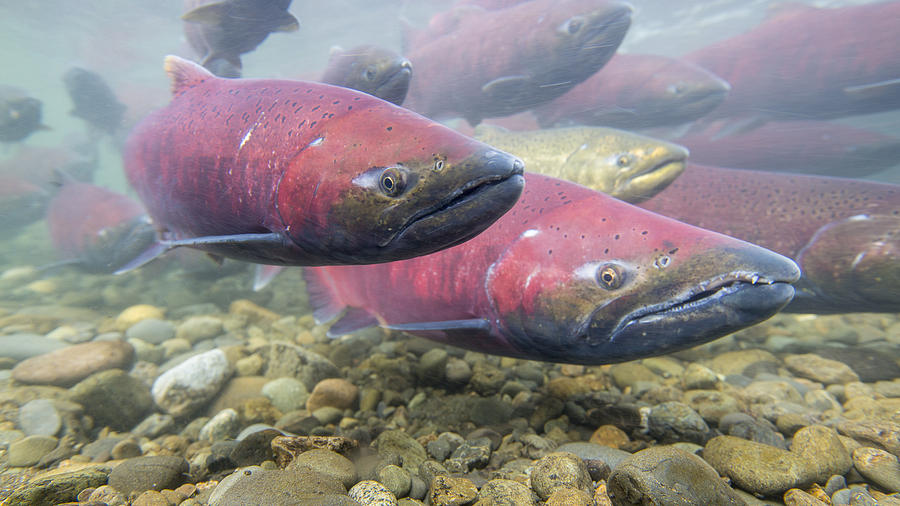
x,y
707,311
492,194
609,30
651,180
395,86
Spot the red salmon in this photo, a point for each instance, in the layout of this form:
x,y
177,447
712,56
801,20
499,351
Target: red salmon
x,y
568,275
97,229
845,234
298,173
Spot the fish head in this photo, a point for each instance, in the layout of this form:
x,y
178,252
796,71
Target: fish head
x,y
672,91
371,69
853,265
625,165
621,283
588,32
117,244
404,188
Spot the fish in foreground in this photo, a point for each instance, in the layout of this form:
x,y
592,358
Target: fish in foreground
x,y
97,229
844,234
370,69
568,275
221,31
625,165
807,62
299,173
94,100
809,147
638,91
20,115
490,66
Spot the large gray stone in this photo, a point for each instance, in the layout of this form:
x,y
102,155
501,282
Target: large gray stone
x,y
155,472
113,398
188,386
287,360
25,345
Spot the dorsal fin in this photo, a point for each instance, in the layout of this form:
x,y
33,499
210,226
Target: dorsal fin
x,y
184,73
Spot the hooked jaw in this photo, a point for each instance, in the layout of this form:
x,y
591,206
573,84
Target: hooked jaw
x,y
705,312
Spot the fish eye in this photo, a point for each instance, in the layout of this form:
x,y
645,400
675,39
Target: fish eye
x,y
438,165
392,182
370,73
623,160
677,88
573,25
610,276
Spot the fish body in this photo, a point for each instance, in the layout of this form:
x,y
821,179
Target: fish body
x,y
97,229
221,31
810,147
94,100
625,165
811,63
39,165
500,62
370,69
20,115
844,234
568,275
299,173
638,91
21,202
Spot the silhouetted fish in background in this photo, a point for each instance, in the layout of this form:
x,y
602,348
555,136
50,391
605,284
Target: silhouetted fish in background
x,y
93,100
638,91
811,63
299,173
96,229
844,234
489,66
370,69
20,115
221,31
21,203
809,147
568,275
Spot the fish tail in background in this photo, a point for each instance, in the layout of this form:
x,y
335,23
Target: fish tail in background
x,y
855,261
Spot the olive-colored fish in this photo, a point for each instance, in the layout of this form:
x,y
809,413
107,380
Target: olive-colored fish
x,y
625,165
370,69
20,115
221,31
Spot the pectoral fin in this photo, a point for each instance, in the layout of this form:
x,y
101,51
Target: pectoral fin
x,y
503,88
473,324
890,87
288,23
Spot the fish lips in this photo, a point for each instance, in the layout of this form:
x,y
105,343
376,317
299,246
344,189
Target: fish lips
x,y
711,310
610,29
393,89
467,211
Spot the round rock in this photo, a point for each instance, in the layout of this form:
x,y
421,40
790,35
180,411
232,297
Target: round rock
x,y
372,493
113,398
154,472
191,384
335,392
879,466
286,394
501,491
559,469
667,475
755,467
39,418
28,451
151,330
22,346
254,485
68,366
328,463
198,328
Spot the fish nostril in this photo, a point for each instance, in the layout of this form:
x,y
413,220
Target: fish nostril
x,y
518,166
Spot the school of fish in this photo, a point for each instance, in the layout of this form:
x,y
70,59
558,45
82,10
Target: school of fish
x,y
510,181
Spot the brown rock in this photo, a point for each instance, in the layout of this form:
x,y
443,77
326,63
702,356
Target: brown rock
x,y
335,392
253,312
134,314
823,370
610,435
69,365
450,491
797,497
